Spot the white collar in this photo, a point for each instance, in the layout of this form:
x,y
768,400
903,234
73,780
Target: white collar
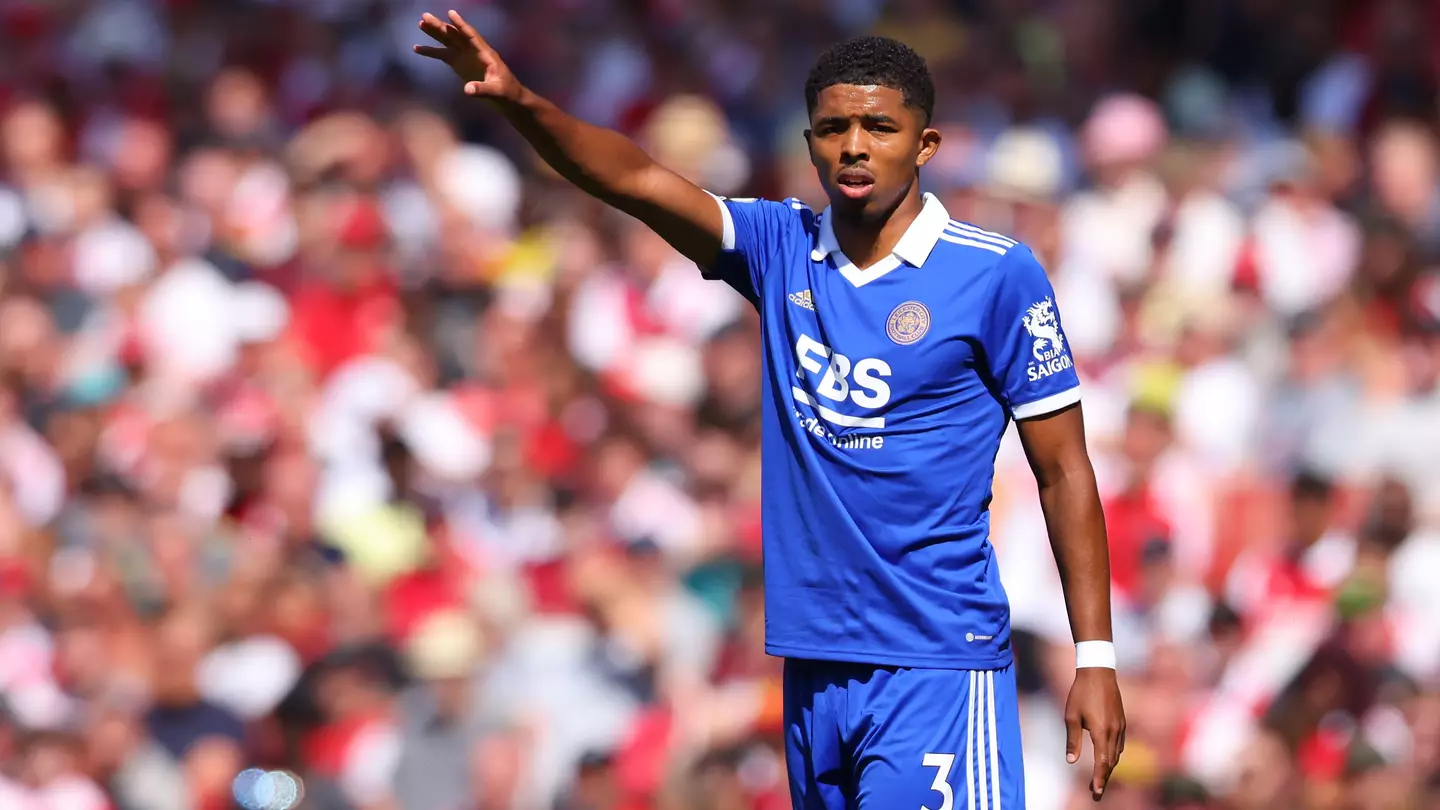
x,y
914,246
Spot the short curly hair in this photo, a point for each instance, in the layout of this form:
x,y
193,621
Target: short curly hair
x,y
874,61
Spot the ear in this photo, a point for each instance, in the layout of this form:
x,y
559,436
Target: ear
x,y
810,146
929,145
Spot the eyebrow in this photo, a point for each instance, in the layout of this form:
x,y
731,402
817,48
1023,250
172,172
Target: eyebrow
x,y
873,118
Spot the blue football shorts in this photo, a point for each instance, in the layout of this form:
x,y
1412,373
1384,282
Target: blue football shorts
x,y
869,737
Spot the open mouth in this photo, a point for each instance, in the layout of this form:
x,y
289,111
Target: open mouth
x,y
855,183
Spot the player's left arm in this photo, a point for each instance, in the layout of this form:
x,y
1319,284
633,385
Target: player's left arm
x,y
1055,446
1031,368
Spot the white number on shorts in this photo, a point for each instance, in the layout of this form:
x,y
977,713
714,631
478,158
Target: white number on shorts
x,y
944,762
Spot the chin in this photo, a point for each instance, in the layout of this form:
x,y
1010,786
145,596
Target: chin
x,y
869,206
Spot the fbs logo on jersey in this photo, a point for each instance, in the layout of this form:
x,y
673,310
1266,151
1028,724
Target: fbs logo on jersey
x,y
859,382
1047,342
802,299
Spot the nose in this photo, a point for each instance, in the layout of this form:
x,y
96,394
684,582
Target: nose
x,y
855,148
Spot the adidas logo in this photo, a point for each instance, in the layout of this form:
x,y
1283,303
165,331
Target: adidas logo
x,y
802,298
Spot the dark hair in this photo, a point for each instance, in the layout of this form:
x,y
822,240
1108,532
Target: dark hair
x,y
873,60
1311,485
1223,619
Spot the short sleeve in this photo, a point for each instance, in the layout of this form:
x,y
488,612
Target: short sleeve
x,y
1024,340
754,230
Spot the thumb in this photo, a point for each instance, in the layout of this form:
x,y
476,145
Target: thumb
x,y
490,88
1072,738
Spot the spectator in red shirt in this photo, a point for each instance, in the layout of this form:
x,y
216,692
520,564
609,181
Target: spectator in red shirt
x,y
1132,516
345,311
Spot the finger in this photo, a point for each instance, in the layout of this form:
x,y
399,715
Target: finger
x,y
1072,740
481,89
1112,740
1104,764
435,29
466,28
443,32
488,57
1119,748
434,52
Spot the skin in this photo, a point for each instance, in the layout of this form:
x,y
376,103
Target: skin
x,y
868,133
857,133
1055,447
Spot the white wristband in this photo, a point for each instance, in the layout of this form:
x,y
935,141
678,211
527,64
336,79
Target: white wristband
x,y
1094,654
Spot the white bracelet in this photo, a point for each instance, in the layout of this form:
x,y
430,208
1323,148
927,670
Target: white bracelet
x,y
1096,654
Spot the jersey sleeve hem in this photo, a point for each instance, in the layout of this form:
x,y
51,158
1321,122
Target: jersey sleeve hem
x,y
1046,405
727,238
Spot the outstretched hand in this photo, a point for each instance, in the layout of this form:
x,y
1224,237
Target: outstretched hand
x,y
1094,706
470,56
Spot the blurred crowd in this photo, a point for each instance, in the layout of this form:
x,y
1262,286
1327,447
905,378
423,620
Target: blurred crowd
x,y
339,436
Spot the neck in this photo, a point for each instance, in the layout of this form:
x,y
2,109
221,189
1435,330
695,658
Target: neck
x,y
867,240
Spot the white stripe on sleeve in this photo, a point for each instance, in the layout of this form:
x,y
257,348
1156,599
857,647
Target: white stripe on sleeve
x,y
727,239
953,239
966,229
1050,404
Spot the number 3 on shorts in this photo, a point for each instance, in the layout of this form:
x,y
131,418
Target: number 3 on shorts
x,y
943,763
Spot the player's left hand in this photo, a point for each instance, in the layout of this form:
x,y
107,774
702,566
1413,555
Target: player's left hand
x,y
1094,706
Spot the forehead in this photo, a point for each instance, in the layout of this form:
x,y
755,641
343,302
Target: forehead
x,y
859,100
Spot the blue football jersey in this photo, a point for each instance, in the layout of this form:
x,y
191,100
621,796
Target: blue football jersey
x,y
886,393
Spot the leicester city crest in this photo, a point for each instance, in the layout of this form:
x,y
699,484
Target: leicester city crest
x,y
908,323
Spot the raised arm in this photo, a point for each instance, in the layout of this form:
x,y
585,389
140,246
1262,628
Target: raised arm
x,y
602,162
1055,447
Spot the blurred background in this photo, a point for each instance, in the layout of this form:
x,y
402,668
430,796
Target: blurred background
x,y
339,439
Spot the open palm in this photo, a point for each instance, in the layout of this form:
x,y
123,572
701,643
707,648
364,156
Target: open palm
x,y
470,56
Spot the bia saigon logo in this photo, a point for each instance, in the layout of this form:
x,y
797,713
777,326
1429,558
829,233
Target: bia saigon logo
x,y
1047,341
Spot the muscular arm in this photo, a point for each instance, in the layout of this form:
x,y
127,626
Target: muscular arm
x,y
615,170
601,162
1055,447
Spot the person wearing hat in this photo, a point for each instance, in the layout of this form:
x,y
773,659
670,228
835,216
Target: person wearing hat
x,y
441,724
